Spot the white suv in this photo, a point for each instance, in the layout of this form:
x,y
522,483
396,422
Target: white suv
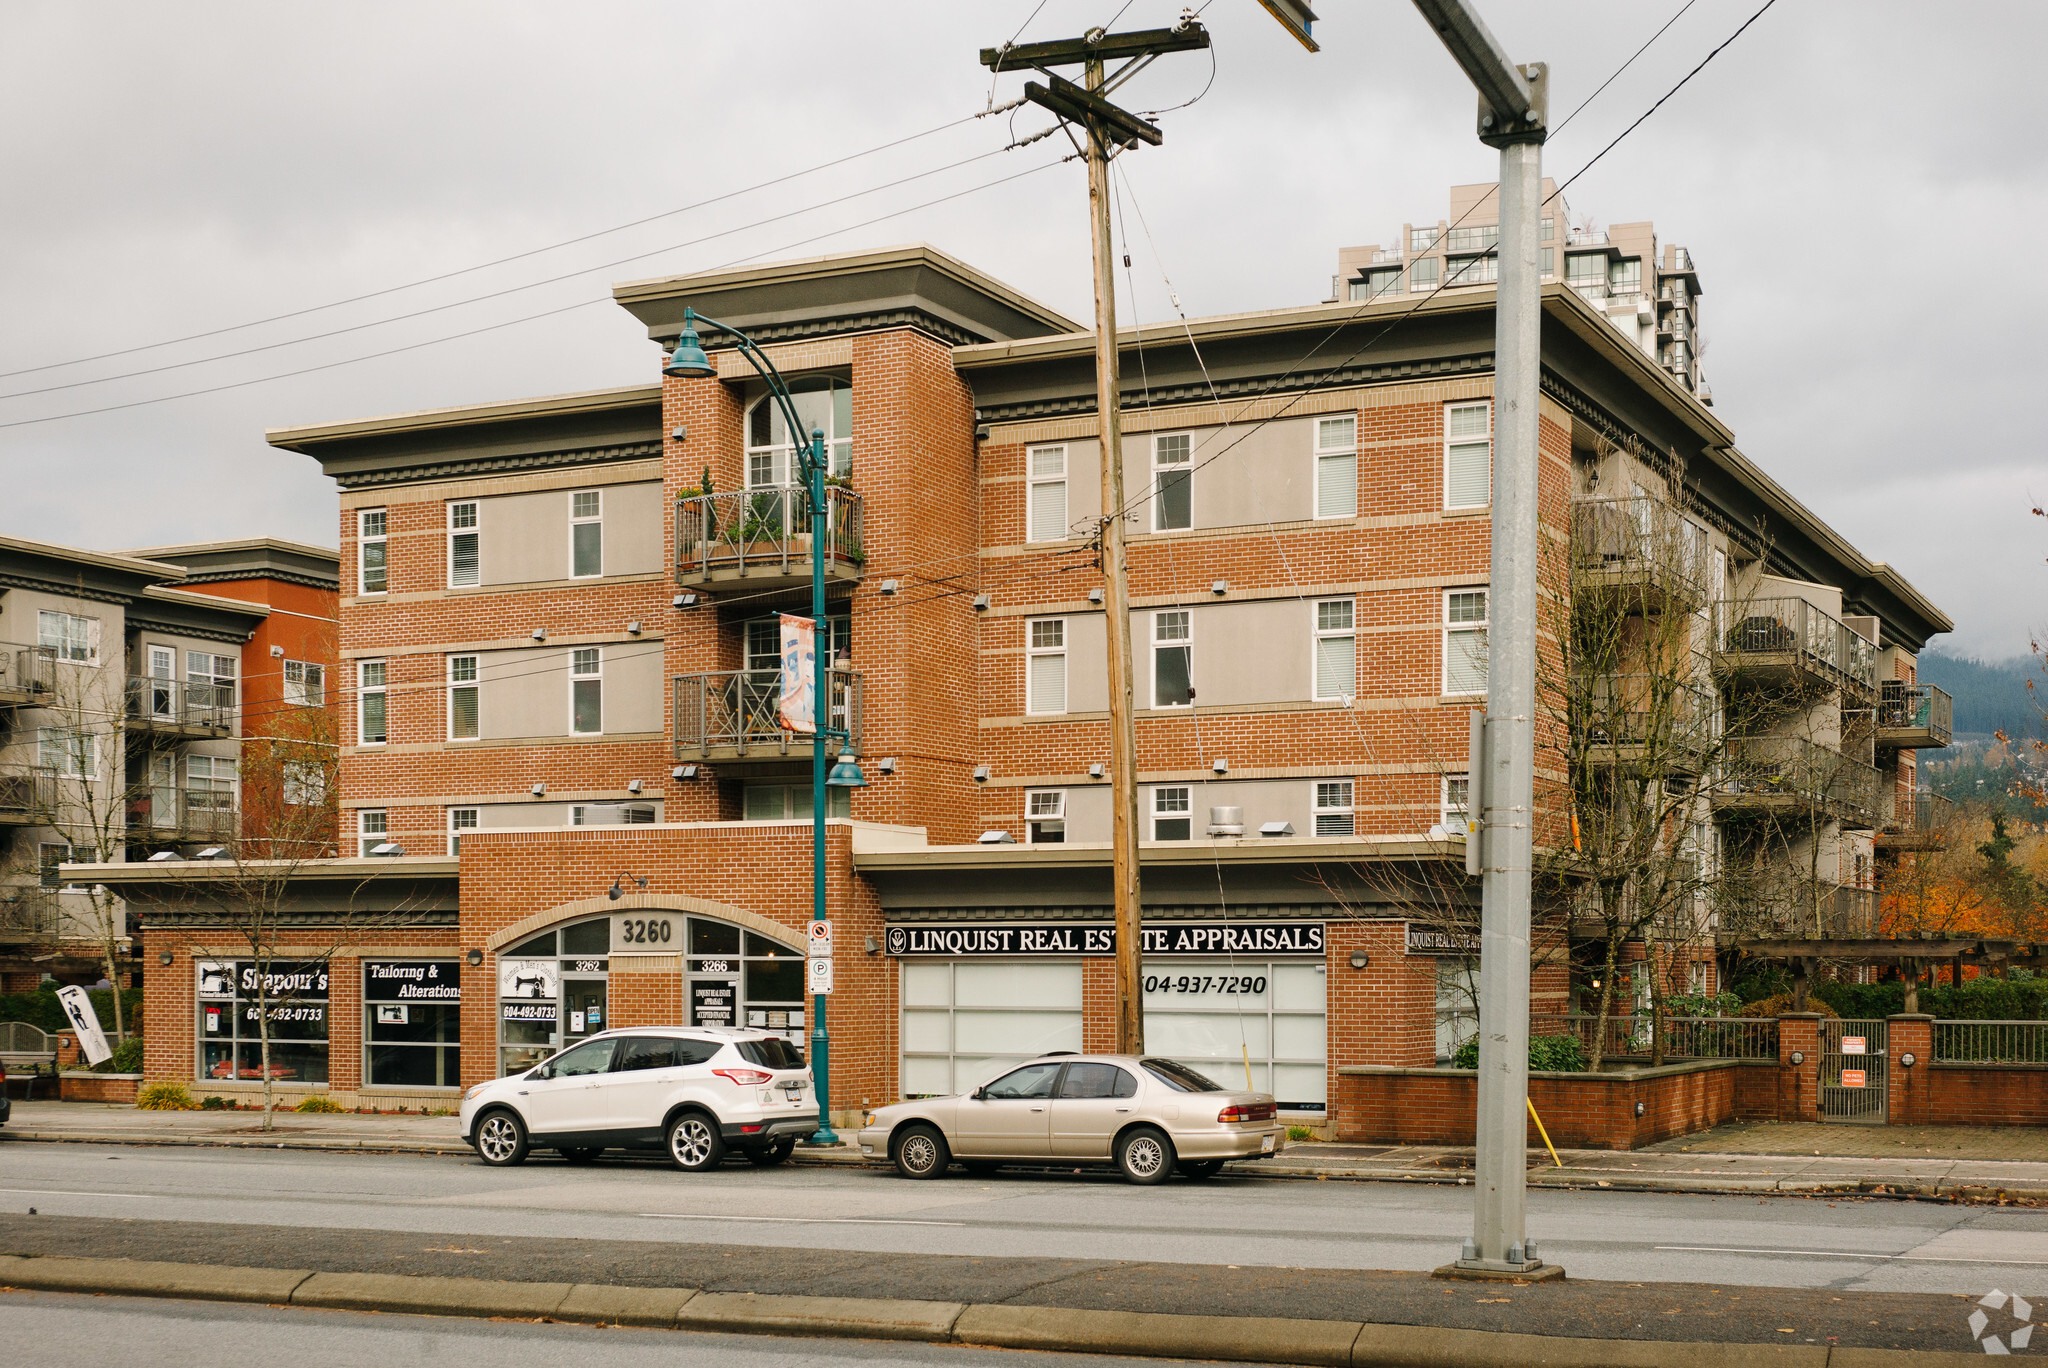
x,y
694,1090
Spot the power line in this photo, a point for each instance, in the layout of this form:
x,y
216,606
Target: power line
x,y
1623,67
500,261
511,322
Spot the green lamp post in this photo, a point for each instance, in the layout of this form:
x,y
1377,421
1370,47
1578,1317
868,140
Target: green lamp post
x,y
688,359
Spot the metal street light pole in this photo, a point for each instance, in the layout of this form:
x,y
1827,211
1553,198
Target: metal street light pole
x,y
688,359
1513,109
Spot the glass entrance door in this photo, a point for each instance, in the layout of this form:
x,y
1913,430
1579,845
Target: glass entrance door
x,y
583,1008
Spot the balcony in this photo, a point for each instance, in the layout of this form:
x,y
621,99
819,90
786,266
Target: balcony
x,y
1642,550
182,816
28,795
1918,821
1644,724
763,537
26,674
730,716
1914,716
1782,777
1790,907
1791,643
27,913
177,709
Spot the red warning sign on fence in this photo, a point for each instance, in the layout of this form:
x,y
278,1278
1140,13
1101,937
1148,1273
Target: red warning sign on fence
x,y
1852,1078
1854,1044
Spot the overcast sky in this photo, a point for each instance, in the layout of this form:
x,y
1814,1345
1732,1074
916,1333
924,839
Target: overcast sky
x,y
1860,184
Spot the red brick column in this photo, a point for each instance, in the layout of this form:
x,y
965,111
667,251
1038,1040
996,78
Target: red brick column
x,y
1906,1088
1799,1089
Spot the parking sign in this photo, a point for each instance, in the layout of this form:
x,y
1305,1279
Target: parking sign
x,y
820,939
820,976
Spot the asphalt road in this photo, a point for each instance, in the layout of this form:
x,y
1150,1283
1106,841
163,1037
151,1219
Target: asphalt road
x,y
91,1332
1867,1245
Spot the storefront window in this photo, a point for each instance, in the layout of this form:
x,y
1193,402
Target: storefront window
x,y
412,1023
553,988
233,1001
966,1021
1228,1020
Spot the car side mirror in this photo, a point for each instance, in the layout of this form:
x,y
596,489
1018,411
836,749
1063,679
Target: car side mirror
x,y
980,1094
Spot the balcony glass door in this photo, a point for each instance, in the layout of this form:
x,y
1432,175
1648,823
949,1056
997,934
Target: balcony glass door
x,y
163,687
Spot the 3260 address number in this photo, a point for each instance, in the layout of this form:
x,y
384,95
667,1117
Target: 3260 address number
x,y
646,930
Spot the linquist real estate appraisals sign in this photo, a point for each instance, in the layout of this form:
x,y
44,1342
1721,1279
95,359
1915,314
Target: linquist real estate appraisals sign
x,y
1062,939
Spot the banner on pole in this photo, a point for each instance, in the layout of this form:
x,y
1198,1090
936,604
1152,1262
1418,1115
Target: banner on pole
x,y
799,710
86,1022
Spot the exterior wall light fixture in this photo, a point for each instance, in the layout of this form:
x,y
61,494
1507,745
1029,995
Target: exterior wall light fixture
x,y
166,958
539,790
617,890
981,603
1359,959
475,957
981,774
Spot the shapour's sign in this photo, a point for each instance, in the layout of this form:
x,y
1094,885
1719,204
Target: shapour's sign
x,y
1051,939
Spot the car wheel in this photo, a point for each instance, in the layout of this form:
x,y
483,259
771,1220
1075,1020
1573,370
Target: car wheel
x,y
772,1153
500,1139
920,1152
1145,1155
582,1155
694,1143
1203,1168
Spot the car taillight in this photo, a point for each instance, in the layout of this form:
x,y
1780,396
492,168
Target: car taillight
x,y
744,1078
1256,1111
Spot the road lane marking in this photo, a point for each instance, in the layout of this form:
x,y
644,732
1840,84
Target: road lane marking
x,y
794,1220
1839,1254
69,1192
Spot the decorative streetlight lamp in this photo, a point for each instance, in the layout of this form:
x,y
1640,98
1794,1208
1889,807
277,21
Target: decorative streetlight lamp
x,y
688,360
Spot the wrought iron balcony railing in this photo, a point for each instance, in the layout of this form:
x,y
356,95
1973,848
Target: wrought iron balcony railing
x,y
27,912
187,707
1914,715
1643,719
1765,774
28,795
1917,821
26,672
1792,634
737,715
170,814
1643,545
765,533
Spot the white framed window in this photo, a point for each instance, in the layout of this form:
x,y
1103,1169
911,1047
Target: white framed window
x,y
1468,454
1423,274
1173,659
1422,239
1173,813
370,714
1337,466
460,819
1476,270
1172,481
73,754
50,854
69,637
1480,237
1336,648
465,567
1465,641
586,691
1333,808
210,783
1045,666
822,403
462,698
212,679
372,570
1045,816
791,803
373,828
305,684
1455,806
1046,494
586,533
304,783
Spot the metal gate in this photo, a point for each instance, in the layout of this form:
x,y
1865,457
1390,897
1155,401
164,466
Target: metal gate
x,y
1853,1082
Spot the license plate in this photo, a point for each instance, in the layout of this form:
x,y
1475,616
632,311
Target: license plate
x,y
1265,1144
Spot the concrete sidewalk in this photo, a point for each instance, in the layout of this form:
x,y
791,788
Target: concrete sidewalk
x,y
1976,1163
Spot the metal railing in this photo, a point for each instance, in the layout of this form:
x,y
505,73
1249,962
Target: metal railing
x,y
27,670
1991,1042
27,912
1901,706
180,703
1764,769
1793,627
1797,908
185,814
1919,811
1629,1037
1644,710
1641,538
760,529
740,710
28,793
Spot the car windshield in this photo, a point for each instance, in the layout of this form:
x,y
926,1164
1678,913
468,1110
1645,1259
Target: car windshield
x,y
1180,1077
770,1054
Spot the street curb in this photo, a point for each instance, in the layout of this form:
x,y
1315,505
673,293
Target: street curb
x,y
1568,1180
1243,1339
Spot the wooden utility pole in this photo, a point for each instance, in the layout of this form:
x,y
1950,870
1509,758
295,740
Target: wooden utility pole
x,y
1107,128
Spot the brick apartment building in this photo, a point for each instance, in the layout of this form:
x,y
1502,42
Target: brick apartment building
x,y
557,654
130,683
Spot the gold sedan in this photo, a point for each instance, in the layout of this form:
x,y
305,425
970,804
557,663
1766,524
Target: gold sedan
x,y
1147,1116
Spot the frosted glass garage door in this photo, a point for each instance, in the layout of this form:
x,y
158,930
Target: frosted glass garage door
x,y
965,1021
1227,1020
